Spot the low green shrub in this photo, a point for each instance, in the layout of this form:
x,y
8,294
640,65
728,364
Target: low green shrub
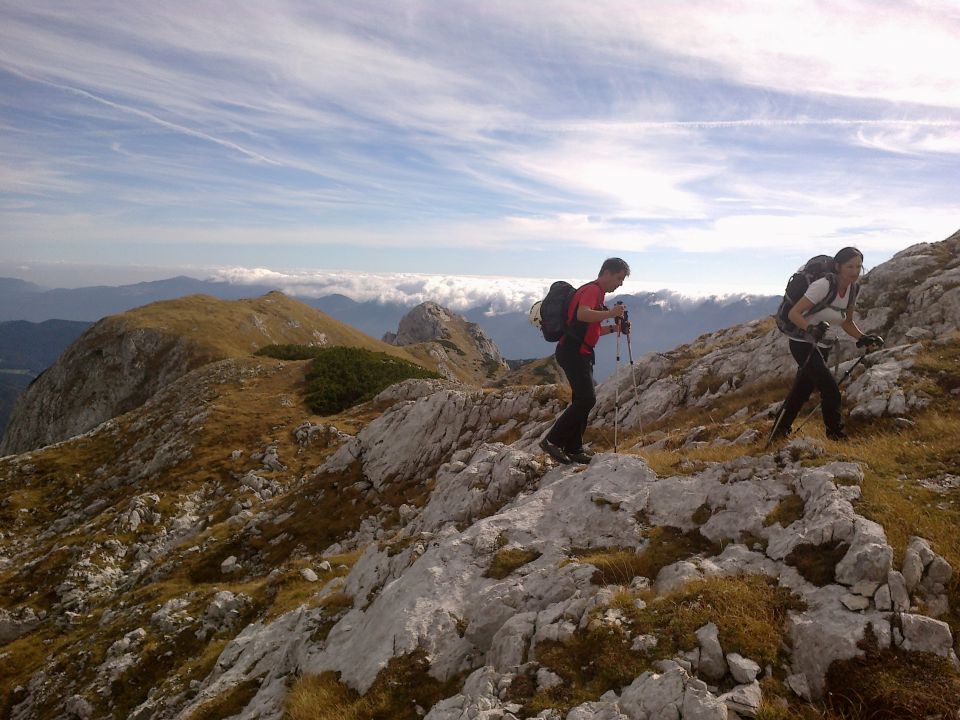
x,y
290,352
340,377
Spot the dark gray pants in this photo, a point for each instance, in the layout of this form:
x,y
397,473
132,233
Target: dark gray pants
x,y
567,431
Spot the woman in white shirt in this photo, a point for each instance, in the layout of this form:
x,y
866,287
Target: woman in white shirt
x,y
811,351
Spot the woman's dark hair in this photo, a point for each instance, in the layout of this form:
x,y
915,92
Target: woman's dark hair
x,y
614,265
846,254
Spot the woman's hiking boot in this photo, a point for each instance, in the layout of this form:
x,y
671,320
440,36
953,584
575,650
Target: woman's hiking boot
x,y
555,452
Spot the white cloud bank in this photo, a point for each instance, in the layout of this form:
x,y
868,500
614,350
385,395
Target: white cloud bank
x,y
457,292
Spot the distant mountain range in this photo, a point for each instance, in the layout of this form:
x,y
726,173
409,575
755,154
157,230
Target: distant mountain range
x,y
20,300
661,321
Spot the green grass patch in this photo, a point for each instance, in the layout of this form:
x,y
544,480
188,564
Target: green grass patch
x,y
290,352
449,345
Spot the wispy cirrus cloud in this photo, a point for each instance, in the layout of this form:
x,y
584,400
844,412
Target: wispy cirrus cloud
x,y
435,126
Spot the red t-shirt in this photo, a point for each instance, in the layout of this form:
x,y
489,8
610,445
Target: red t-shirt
x,y
591,295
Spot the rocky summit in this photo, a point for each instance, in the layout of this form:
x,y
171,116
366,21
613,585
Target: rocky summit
x,y
216,550
461,350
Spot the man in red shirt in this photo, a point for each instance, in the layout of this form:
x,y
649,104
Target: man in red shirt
x,y
574,353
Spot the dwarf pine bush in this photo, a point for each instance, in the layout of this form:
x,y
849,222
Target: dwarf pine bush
x,y
343,376
340,377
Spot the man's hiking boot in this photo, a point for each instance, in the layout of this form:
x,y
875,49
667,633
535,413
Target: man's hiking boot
x,y
555,452
837,435
582,456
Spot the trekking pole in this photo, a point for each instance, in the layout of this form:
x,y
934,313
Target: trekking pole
x,y
839,383
783,405
636,392
616,392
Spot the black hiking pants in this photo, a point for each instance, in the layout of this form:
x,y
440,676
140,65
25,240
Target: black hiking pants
x,y
567,431
813,374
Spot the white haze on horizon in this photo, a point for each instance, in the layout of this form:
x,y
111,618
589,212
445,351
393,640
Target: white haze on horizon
x,y
501,294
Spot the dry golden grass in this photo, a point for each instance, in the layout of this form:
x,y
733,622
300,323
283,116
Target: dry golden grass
x,y
780,703
544,371
895,461
399,689
292,590
615,565
665,546
507,560
590,663
887,684
229,703
261,409
787,511
237,328
693,460
749,611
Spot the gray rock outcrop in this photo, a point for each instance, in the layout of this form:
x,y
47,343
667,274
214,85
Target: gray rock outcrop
x,y
913,296
430,322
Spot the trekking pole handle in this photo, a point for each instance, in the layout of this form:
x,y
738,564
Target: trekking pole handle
x,y
622,322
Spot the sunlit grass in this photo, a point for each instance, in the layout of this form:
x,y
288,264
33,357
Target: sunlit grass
x,y
403,690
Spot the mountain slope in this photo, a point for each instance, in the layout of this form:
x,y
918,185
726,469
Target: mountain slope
x,y
219,552
123,360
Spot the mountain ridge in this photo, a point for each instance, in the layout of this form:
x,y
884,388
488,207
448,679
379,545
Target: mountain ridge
x,y
123,360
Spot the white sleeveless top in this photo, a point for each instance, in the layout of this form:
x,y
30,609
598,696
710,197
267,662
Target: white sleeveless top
x,y
834,313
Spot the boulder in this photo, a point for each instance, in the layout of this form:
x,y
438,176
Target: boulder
x,y
712,665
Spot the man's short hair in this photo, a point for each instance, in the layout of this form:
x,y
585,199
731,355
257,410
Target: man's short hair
x,y
614,265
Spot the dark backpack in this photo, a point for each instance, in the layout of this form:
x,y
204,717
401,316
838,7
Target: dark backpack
x,y
550,314
815,268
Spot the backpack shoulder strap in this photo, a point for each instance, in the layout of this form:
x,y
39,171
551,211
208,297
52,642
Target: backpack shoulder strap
x,y
577,329
828,298
854,292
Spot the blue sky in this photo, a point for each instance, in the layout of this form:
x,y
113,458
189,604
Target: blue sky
x,y
715,145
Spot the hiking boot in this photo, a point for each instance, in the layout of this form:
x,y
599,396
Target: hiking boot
x,y
837,435
555,452
581,456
